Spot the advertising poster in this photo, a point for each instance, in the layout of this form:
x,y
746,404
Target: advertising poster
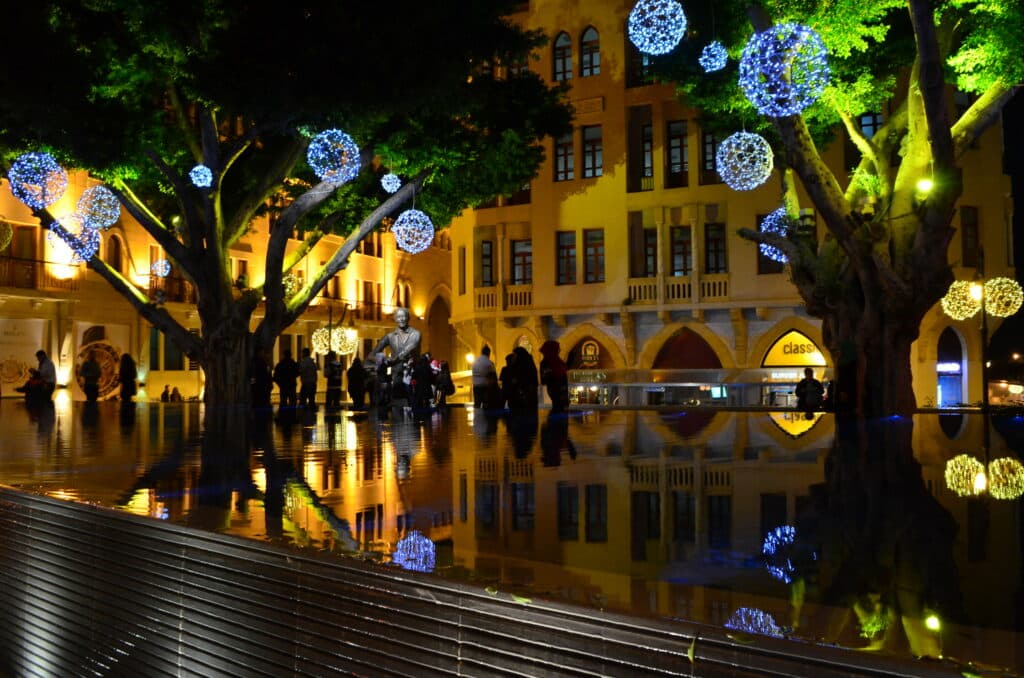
x,y
105,343
20,338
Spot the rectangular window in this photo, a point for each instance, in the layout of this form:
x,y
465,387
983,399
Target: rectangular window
x,y
719,521
154,348
592,152
597,513
522,505
684,520
766,264
522,262
709,160
486,509
174,359
969,236
638,67
647,141
682,250
563,58
568,512
643,248
593,263
566,246
714,248
678,155
564,166
462,270
590,54
487,264
650,250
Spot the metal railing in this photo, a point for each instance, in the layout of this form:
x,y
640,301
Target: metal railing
x,y
36,274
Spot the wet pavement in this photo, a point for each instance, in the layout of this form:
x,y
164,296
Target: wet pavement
x,y
748,520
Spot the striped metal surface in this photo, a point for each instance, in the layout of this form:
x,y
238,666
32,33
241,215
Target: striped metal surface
x,y
89,591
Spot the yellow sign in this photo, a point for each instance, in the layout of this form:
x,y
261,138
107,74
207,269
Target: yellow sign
x,y
794,349
794,423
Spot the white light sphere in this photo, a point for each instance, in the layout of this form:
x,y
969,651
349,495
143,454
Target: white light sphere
x,y
963,474
334,156
777,222
390,182
414,231
161,268
37,180
321,340
745,161
72,231
784,69
713,57
99,207
656,26
959,303
415,552
344,340
1003,297
201,176
1006,478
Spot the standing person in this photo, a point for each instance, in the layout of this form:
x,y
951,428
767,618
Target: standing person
x,y
127,376
175,396
307,377
356,376
507,379
524,395
286,374
404,343
333,371
809,392
423,389
90,373
445,384
48,373
555,375
482,369
165,396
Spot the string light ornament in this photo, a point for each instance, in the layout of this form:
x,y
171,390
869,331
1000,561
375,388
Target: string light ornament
x,y
84,242
333,156
390,182
414,231
6,234
37,180
713,57
778,222
415,552
1003,297
1005,478
201,176
753,620
656,26
291,284
777,551
344,340
161,268
959,303
99,207
745,161
784,69
965,476
321,340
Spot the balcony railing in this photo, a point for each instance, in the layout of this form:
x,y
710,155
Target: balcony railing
x,y
643,290
678,288
172,289
486,298
518,297
714,287
34,274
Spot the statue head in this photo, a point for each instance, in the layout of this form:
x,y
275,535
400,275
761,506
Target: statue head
x,y
402,317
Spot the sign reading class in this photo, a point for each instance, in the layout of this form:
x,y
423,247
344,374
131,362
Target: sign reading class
x,y
794,349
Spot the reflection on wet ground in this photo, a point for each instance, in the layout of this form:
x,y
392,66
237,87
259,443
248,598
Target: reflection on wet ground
x,y
750,520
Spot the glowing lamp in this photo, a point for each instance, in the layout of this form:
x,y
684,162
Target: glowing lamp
x,y
344,340
201,176
390,182
965,476
924,185
161,268
960,302
1003,297
744,161
932,623
656,26
1006,478
413,230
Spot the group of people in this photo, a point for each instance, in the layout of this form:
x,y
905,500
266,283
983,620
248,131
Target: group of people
x,y
516,386
42,380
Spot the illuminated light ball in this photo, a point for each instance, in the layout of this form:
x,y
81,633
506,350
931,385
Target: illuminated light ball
x,y
161,268
656,26
291,284
201,176
965,475
333,156
959,303
777,222
37,180
713,57
321,340
390,182
753,620
1003,297
778,553
6,233
344,340
784,69
1006,478
72,231
745,161
99,207
415,552
414,231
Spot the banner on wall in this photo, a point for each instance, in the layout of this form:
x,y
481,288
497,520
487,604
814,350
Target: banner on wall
x,y
106,343
794,349
20,338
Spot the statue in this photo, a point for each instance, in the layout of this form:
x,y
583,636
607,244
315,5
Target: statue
x,y
404,342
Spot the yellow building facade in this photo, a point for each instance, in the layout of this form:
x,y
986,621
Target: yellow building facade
x,y
624,248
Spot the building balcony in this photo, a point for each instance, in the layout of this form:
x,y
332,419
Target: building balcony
x,y
503,297
172,289
518,297
668,290
34,274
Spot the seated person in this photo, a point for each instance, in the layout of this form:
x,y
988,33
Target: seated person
x,y
34,389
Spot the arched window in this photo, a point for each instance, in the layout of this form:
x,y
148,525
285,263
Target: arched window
x,y
590,53
114,255
563,57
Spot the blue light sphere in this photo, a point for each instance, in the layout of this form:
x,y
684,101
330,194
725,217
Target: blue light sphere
x,y
201,176
744,161
777,222
72,231
656,26
778,553
784,69
390,182
161,268
333,156
37,180
415,553
99,207
713,57
753,620
414,231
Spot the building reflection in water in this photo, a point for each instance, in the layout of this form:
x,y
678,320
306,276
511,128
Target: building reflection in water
x,y
654,513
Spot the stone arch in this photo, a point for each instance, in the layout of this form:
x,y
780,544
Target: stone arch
x,y
440,335
655,344
584,330
769,337
115,252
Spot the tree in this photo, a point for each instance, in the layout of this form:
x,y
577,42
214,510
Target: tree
x,y
150,89
884,261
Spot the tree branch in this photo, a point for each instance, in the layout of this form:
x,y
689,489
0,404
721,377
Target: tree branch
x,y
982,113
270,181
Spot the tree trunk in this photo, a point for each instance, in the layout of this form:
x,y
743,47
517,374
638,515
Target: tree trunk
x,y
226,393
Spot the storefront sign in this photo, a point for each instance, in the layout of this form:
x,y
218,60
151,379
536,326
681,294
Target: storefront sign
x,y
590,354
794,349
